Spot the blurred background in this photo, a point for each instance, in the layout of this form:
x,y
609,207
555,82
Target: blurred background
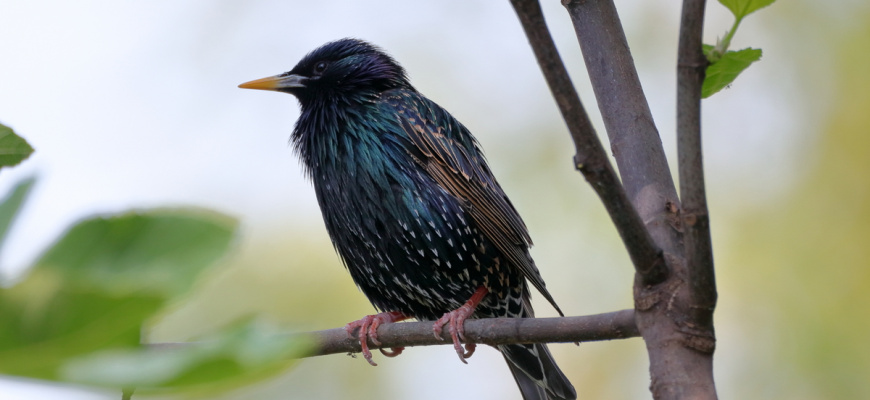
x,y
135,105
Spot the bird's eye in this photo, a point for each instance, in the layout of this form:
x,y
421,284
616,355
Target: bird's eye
x,y
320,67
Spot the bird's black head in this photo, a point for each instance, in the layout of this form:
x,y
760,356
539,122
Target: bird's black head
x,y
346,69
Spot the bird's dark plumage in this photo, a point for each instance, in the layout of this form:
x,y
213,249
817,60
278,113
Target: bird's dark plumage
x,y
409,201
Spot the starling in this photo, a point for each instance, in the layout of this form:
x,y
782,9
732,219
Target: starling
x,y
411,205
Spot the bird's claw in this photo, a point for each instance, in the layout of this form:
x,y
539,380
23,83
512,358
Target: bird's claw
x,y
455,321
395,351
368,330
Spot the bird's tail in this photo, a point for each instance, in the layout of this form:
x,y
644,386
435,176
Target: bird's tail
x,y
533,367
536,373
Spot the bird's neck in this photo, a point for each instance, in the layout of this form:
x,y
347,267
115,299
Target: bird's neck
x,y
333,136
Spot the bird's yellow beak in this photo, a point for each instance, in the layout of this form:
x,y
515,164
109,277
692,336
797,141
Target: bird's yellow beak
x,y
277,82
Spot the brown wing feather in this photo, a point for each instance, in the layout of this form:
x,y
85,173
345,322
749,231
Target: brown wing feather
x,y
468,178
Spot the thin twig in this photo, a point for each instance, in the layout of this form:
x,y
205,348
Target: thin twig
x,y
490,331
695,217
590,158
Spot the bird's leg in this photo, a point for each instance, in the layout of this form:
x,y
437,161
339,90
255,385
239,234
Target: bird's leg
x,y
368,329
456,320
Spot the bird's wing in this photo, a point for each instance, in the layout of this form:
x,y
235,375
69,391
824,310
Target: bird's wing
x,y
450,154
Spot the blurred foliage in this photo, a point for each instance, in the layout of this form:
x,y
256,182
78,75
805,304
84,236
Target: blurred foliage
x,y
13,148
10,206
78,314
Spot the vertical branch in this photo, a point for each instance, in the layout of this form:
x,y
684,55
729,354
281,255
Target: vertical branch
x,y
633,136
691,65
680,350
590,158
673,309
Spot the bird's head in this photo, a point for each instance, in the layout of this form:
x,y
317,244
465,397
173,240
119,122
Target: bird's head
x,y
346,69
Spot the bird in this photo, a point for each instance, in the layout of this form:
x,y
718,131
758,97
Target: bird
x,y
412,207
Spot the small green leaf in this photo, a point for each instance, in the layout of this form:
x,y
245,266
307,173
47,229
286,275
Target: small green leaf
x,y
11,204
724,71
13,148
742,8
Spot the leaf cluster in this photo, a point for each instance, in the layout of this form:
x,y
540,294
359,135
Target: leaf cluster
x,y
79,312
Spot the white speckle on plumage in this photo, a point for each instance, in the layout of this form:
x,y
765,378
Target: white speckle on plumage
x,y
422,254
450,242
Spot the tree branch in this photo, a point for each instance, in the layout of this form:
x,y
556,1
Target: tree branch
x,y
679,348
691,65
634,139
490,331
590,158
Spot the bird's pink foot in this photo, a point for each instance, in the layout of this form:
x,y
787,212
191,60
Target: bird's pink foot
x,y
455,321
395,351
368,329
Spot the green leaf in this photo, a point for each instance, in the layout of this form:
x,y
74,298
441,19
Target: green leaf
x,y
46,322
13,148
239,355
11,204
723,72
742,8
710,53
159,252
98,285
